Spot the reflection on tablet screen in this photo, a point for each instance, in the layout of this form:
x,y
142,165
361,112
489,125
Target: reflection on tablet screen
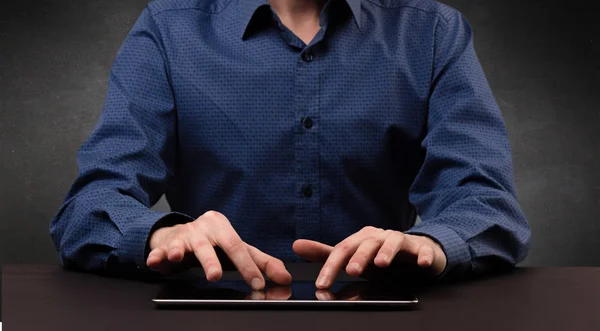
x,y
297,291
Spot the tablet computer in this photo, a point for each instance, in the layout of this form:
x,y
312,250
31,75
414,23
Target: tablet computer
x,y
299,294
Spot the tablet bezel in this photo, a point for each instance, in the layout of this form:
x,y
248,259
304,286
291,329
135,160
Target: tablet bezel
x,y
165,302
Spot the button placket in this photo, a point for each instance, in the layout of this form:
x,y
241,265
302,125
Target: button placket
x,y
306,101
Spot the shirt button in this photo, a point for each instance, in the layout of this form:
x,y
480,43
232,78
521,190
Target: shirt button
x,y
307,56
308,122
307,191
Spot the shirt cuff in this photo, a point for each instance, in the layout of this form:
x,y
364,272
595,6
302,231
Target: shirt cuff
x,y
134,243
458,257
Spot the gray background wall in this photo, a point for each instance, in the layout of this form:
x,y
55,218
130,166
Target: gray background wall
x,y
541,58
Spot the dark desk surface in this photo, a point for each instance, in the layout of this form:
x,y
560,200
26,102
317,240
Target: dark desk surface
x,y
49,298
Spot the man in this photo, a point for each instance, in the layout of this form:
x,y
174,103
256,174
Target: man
x,y
286,130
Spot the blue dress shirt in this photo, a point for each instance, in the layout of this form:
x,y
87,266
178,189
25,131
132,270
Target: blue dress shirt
x,y
384,116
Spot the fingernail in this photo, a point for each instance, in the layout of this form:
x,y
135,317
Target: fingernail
x,y
354,265
212,271
257,284
322,281
384,257
321,296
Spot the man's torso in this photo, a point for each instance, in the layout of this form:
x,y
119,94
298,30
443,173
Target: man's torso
x,y
321,139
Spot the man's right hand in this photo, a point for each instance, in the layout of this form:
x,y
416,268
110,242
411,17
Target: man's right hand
x,y
170,245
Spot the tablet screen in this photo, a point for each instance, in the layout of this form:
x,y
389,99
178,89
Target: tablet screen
x,y
238,292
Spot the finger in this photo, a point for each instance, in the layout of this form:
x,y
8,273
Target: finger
x,y
206,255
394,243
426,256
273,267
364,255
236,249
337,260
312,251
176,250
279,293
156,257
157,260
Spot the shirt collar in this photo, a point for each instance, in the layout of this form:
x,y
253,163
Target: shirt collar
x,y
247,9
355,6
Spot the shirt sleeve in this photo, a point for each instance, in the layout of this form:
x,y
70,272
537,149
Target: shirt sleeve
x,y
124,165
464,191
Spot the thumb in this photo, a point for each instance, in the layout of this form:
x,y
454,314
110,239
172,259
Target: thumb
x,y
311,250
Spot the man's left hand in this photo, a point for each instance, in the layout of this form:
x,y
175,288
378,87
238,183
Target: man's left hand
x,y
371,245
